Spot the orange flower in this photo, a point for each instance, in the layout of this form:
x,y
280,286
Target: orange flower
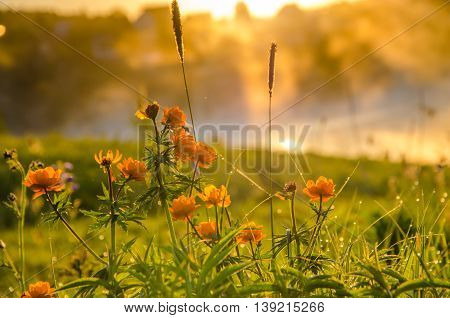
x,y
174,117
133,169
150,112
204,155
323,189
207,230
213,196
251,233
109,159
185,145
39,290
44,180
183,208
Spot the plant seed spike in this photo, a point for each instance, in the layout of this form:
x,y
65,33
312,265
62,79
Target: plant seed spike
x,y
273,51
177,28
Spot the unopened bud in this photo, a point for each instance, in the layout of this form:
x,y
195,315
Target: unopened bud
x,y
12,197
152,110
10,154
2,245
290,187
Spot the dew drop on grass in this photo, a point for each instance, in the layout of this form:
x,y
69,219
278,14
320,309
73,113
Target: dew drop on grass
x,y
417,200
397,197
11,289
101,237
360,202
341,239
279,211
445,194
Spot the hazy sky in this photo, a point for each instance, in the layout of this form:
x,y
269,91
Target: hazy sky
x,y
218,8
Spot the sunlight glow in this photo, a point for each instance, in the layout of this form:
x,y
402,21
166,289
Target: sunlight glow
x,y
2,30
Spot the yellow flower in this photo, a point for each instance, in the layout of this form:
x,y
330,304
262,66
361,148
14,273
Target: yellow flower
x,y
133,169
39,290
204,155
44,180
213,196
174,117
251,233
150,112
323,189
207,230
183,208
109,159
185,145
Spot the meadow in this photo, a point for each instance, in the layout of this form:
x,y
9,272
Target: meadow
x,y
173,216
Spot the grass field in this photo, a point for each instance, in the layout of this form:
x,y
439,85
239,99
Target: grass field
x,y
391,206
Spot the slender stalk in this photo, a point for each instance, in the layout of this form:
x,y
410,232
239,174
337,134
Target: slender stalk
x,y
21,221
273,49
294,224
188,99
193,178
72,231
217,220
113,214
162,190
13,267
256,262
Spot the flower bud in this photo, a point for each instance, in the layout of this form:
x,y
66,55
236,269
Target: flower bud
x,y
10,154
12,197
152,110
2,245
290,187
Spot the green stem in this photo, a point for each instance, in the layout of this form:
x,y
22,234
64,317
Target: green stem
x,y
294,224
256,262
217,221
162,190
188,99
270,176
21,222
113,214
71,230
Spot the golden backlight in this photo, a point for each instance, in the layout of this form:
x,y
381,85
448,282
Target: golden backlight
x,y
256,7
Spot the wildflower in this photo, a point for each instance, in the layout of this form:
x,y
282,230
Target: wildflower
x,y
183,207
322,189
44,180
174,117
10,154
39,290
133,169
12,197
109,159
185,145
213,196
150,112
207,230
204,155
251,233
290,187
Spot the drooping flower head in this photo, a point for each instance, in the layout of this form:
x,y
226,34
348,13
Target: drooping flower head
x,y
105,161
322,188
183,207
44,180
132,169
207,230
204,155
39,290
213,196
174,117
251,233
185,145
150,112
